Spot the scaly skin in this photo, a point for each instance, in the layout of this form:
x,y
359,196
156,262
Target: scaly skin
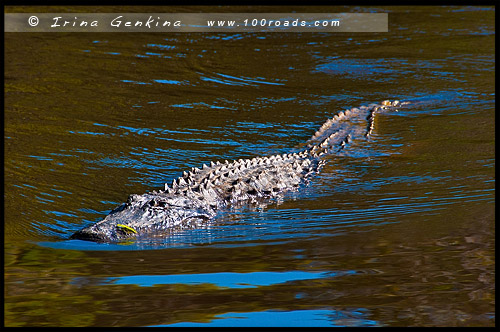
x,y
194,199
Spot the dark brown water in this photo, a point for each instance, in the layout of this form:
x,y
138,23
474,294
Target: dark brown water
x,y
398,232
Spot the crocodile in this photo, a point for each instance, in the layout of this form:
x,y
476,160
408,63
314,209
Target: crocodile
x,y
194,199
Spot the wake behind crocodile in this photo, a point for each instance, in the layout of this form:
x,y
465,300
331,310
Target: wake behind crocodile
x,y
194,199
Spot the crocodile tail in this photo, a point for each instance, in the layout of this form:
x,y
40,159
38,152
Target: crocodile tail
x,y
354,123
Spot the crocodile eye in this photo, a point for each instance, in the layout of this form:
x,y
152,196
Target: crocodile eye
x,y
155,203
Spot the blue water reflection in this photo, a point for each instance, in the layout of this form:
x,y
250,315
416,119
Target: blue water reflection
x,y
294,318
221,279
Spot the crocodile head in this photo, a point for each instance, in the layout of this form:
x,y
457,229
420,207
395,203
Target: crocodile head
x,y
147,215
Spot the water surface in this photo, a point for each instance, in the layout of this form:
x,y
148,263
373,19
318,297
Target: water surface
x,y
397,231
